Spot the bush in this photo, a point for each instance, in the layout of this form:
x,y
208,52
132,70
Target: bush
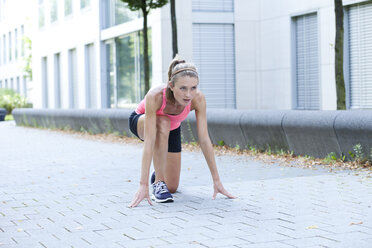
x,y
10,100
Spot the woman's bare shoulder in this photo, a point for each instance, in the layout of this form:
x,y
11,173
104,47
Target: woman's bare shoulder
x,y
155,95
198,100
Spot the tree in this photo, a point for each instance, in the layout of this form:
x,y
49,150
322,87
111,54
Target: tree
x,y
27,68
174,27
339,55
145,6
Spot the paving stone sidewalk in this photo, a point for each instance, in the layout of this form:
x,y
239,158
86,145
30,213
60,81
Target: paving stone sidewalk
x,y
60,190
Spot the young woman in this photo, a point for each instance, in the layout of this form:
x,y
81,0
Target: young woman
x,y
157,121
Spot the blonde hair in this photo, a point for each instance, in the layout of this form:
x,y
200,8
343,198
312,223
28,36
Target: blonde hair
x,y
179,68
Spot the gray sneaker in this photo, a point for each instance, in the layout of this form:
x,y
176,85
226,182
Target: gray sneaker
x,y
161,193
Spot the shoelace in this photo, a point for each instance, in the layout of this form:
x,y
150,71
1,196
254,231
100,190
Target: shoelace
x,y
161,187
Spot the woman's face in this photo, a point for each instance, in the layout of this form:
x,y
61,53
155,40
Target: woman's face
x,y
184,89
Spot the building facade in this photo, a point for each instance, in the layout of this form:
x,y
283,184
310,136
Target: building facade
x,y
251,54
15,25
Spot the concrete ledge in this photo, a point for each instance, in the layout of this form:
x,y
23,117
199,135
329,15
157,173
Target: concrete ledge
x,y
263,129
189,131
354,127
224,127
313,133
92,121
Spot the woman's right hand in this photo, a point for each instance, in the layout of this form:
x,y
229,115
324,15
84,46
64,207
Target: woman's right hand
x,y
142,193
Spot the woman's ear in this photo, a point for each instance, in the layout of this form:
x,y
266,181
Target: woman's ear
x,y
170,85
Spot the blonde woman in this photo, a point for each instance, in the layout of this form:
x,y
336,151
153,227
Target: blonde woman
x,y
157,121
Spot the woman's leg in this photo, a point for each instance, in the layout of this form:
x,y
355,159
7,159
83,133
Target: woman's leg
x,y
172,171
161,143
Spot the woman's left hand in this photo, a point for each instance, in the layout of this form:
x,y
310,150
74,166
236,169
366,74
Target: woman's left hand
x,y
218,188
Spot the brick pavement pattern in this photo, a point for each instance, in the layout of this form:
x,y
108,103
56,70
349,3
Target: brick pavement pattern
x,y
59,190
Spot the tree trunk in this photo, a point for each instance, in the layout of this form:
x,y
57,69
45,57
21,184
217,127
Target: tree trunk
x,y
146,51
339,55
174,27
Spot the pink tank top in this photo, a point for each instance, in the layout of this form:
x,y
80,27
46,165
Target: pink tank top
x,y
175,120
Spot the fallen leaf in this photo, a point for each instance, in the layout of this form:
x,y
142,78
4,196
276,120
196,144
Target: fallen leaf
x,y
78,228
312,227
20,230
356,223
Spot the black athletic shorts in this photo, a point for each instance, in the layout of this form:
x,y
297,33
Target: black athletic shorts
x,y
174,141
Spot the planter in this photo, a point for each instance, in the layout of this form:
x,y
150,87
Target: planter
x,y
2,114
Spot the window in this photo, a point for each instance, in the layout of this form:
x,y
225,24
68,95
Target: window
x,y
16,44
213,5
18,85
6,83
44,81
68,7
2,10
12,83
41,14
307,62
360,56
10,46
90,76
117,12
72,79
24,86
53,11
126,69
4,49
1,84
84,4
214,56
23,41
57,80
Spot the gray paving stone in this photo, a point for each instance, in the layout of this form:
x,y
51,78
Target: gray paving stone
x,y
312,241
67,191
266,245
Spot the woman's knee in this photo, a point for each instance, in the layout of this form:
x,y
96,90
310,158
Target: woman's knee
x,y
172,188
163,125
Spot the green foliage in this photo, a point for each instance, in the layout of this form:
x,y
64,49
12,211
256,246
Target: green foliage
x,y
9,118
27,68
135,5
343,158
109,127
358,151
268,150
10,100
253,149
83,130
221,143
352,155
331,158
280,152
